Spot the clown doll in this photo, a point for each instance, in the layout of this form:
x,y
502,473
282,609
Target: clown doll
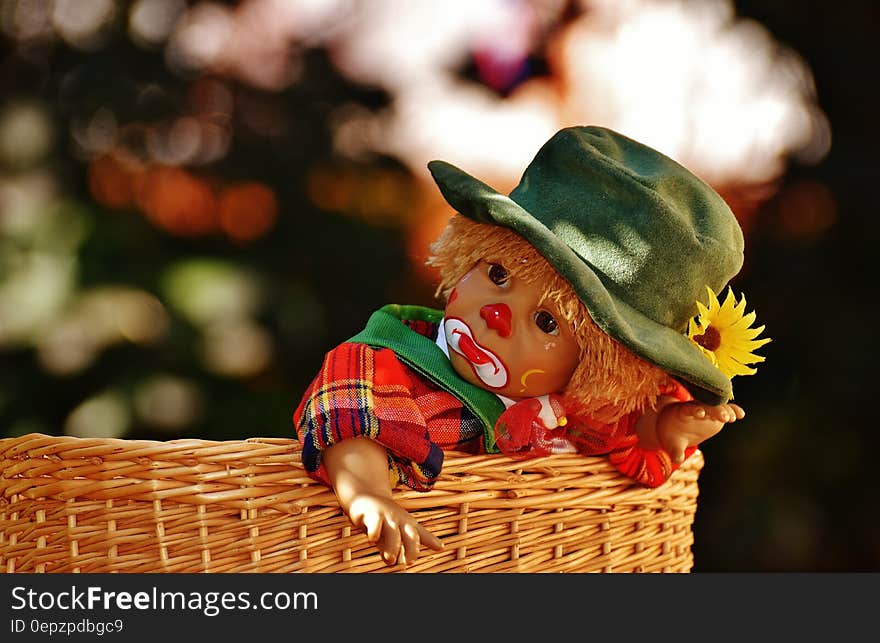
x,y
581,315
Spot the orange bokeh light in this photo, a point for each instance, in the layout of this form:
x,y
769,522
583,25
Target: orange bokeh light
x,y
807,210
113,181
178,202
247,211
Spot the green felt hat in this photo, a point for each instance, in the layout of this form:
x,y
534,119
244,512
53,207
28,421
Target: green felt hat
x,y
637,235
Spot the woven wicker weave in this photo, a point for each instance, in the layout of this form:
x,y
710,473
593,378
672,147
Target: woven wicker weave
x,y
103,505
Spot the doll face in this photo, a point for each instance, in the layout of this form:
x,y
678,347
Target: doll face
x,y
502,338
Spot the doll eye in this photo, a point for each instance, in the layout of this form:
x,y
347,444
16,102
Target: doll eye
x,y
546,322
498,274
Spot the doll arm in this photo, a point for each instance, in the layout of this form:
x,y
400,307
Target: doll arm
x,y
648,448
357,470
675,426
361,391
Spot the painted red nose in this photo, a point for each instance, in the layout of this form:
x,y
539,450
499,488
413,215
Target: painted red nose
x,y
497,318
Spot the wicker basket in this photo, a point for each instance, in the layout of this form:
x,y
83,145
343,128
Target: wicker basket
x,y
103,505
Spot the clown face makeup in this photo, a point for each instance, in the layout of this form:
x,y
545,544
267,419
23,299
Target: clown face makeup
x,y
502,338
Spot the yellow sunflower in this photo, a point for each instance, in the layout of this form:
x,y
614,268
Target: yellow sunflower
x,y
723,333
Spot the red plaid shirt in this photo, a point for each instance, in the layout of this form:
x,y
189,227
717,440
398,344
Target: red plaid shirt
x,y
365,391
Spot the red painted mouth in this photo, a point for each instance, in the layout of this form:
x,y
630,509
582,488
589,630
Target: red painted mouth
x,y
473,352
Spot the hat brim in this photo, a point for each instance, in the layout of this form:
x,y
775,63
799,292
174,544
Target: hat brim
x,y
665,347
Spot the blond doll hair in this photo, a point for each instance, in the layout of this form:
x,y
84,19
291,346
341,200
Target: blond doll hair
x,y
609,381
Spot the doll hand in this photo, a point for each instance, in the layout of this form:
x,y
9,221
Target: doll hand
x,y
526,428
685,424
358,472
395,532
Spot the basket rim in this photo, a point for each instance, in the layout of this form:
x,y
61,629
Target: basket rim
x,y
43,444
257,472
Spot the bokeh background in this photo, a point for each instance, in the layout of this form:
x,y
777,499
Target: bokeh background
x,y
198,199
